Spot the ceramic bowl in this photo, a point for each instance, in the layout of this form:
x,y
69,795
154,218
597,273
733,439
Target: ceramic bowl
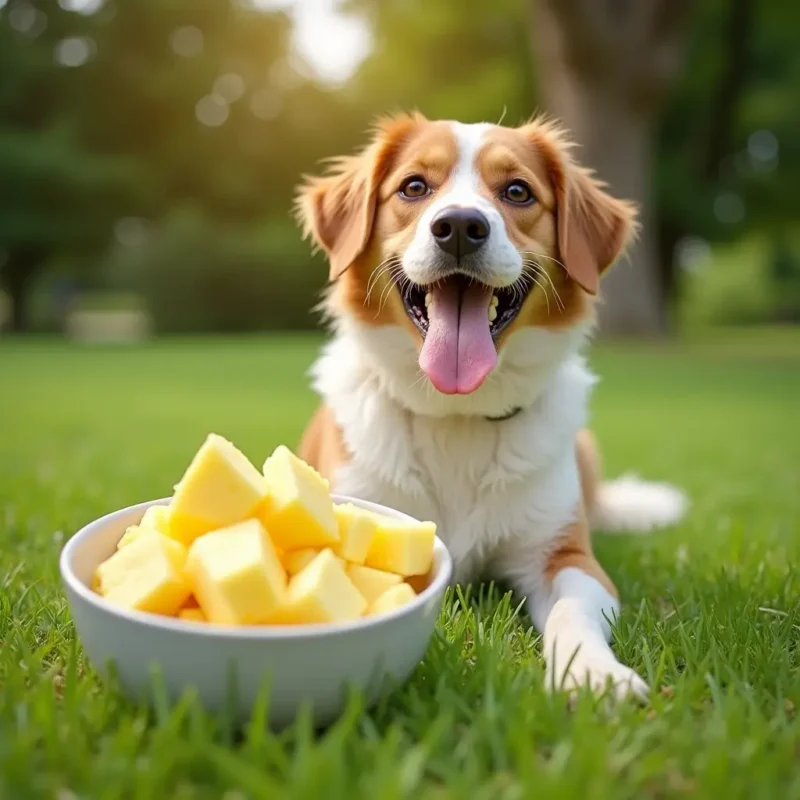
x,y
228,666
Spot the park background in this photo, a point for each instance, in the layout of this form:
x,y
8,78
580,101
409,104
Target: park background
x,y
149,148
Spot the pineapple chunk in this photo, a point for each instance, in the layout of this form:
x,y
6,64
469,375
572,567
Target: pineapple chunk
x,y
372,583
296,560
393,598
132,533
184,528
356,530
156,518
146,575
299,512
321,592
192,615
219,488
402,546
236,575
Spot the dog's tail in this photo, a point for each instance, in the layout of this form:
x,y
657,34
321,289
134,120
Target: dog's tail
x,y
631,505
627,504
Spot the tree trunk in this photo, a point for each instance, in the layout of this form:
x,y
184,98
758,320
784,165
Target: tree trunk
x,y
605,67
16,276
616,141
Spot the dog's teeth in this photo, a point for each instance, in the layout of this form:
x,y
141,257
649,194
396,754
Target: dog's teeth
x,y
495,300
492,313
428,298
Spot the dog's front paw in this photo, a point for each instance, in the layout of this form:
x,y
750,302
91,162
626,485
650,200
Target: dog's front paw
x,y
601,673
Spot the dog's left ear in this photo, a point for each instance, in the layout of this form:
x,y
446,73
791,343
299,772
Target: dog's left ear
x,y
337,210
593,228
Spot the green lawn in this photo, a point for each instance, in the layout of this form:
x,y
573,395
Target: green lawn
x,y
712,616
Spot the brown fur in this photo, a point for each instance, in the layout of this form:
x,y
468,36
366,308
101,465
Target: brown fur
x,y
575,550
322,445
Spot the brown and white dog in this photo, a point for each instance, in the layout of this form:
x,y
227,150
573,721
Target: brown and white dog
x,y
465,261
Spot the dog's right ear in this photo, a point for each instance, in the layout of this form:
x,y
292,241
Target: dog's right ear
x,y
337,210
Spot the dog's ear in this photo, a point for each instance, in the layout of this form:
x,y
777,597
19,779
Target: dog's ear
x,y
593,228
337,210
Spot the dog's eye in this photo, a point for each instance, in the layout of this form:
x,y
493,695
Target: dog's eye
x,y
518,192
413,188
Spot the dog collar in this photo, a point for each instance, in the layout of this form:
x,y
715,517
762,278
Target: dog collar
x,y
511,414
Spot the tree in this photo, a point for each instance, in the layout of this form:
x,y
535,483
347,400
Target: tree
x,y
54,192
605,68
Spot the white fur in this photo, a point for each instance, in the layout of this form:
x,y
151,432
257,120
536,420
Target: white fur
x,y
500,262
484,483
576,636
631,505
499,492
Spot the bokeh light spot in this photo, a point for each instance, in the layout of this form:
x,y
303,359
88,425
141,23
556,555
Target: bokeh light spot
x,y
763,146
132,231
212,110
26,19
74,51
729,208
230,87
86,7
693,253
265,104
187,41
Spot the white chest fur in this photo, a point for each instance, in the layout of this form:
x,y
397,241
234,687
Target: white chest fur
x,y
484,483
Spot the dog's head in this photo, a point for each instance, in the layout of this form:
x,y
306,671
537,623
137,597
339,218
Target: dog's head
x,y
463,235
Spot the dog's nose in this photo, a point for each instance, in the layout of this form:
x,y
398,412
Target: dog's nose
x,y
460,231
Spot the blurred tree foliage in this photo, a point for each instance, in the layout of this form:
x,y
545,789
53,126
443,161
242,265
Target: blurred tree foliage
x,y
55,193
156,143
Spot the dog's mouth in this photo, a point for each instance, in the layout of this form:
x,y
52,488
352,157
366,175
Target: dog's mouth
x,y
502,307
460,319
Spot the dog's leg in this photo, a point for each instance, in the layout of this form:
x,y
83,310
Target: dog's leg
x,y
572,601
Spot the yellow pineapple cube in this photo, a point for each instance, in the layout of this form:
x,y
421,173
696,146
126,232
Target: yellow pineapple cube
x,y
236,575
299,511
372,583
321,592
146,575
296,560
356,530
393,598
192,615
132,533
219,488
402,546
156,518
186,528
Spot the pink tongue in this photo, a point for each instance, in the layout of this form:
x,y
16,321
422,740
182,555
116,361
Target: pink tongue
x,y
458,352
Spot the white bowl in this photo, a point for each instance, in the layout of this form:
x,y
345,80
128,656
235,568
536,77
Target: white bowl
x,y
313,664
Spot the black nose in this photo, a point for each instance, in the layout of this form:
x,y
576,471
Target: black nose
x,y
460,231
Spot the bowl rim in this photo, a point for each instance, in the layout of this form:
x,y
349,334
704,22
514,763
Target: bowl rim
x,y
260,632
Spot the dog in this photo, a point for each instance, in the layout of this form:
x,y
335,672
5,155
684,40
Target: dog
x,y
465,261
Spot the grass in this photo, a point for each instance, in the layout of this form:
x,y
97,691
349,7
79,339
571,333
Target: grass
x,y
711,618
